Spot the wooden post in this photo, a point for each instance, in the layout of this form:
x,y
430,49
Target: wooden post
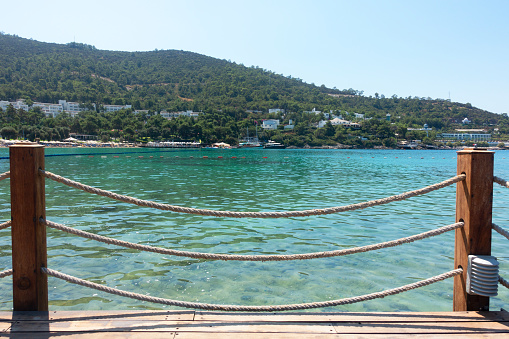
x,y
30,286
474,200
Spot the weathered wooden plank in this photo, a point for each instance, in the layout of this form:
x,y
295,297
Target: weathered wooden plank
x,y
4,326
423,328
208,335
95,335
474,200
30,285
260,327
199,335
265,317
91,315
262,317
346,328
115,325
180,324
168,326
355,317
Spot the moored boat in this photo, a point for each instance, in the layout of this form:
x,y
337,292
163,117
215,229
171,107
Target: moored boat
x,y
273,145
250,142
408,145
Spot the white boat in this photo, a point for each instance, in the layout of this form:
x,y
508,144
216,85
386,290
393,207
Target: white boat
x,y
273,145
408,145
250,142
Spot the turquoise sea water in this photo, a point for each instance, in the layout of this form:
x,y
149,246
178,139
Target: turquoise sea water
x,y
284,180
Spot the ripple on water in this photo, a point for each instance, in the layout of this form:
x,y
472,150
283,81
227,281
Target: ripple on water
x,y
286,180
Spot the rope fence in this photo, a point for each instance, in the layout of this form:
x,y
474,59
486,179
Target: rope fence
x,y
5,225
278,257
5,175
239,308
230,214
501,181
500,230
6,273
469,161
503,282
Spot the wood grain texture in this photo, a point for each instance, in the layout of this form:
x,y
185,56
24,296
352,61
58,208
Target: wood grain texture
x,y
30,285
354,316
474,201
197,335
131,315
176,324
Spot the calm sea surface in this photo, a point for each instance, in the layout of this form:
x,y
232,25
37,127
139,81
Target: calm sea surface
x,y
257,180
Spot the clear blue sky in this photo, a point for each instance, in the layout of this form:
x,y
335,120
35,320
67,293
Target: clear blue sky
x,y
408,48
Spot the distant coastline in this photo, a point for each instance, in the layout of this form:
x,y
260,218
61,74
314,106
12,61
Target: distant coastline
x,y
96,144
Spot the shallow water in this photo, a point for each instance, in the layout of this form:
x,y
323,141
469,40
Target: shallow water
x,y
284,180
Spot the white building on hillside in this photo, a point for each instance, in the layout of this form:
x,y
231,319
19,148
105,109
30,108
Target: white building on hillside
x,y
337,121
73,108
173,115
18,104
290,125
50,110
467,136
270,124
345,123
141,111
313,111
191,114
114,108
322,123
276,110
170,115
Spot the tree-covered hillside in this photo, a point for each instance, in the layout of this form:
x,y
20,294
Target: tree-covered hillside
x,y
176,80
172,80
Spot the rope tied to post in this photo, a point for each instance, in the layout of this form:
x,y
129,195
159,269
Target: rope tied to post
x,y
231,214
501,181
240,308
500,230
5,175
5,225
503,282
278,257
6,273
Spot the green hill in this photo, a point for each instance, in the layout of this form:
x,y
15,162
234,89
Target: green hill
x,y
177,80
154,80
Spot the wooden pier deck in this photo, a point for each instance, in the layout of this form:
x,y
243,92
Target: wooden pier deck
x,y
196,324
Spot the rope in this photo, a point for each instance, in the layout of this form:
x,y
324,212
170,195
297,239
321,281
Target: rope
x,y
503,282
5,225
278,257
500,230
5,175
216,307
501,182
6,273
230,214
